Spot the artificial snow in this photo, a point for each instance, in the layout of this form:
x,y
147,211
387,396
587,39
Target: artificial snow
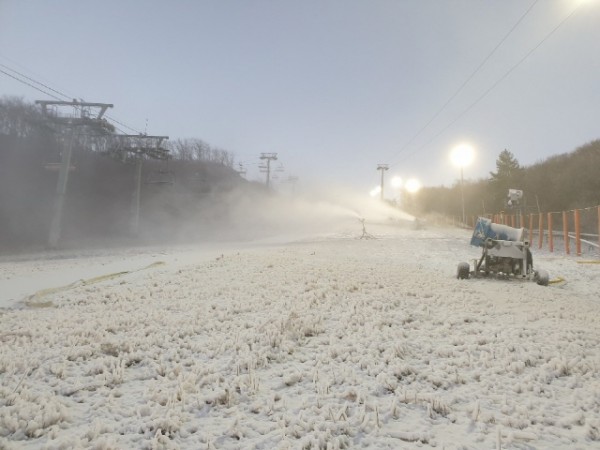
x,y
322,342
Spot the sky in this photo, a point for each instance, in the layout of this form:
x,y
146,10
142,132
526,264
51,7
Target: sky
x,y
334,87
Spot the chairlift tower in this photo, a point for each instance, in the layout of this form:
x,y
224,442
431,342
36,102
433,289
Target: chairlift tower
x,y
83,114
382,168
241,171
267,168
292,179
138,147
279,169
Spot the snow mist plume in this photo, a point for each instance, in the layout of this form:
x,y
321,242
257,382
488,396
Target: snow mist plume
x,y
247,214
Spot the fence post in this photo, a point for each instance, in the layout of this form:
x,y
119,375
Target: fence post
x,y
566,232
550,235
541,241
576,217
531,228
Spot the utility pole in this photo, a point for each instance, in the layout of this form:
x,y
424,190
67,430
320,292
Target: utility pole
x,y
383,168
86,114
268,157
138,147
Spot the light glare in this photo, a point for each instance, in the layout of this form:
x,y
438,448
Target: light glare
x,y
413,185
375,191
462,155
396,182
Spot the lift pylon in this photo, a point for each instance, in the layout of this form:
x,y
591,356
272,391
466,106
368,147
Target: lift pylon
x,y
84,114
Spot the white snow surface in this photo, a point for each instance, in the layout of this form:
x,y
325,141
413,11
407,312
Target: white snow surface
x,y
323,342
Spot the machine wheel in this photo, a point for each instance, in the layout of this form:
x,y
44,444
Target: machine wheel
x,y
542,278
463,271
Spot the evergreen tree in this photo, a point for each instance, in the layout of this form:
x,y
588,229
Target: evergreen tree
x,y
508,175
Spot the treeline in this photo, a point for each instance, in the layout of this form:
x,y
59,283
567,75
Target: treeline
x,y
24,120
187,188
198,150
559,183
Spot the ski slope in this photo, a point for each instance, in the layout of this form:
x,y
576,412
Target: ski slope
x,y
321,341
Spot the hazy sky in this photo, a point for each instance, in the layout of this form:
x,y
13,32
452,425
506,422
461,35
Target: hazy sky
x,y
335,87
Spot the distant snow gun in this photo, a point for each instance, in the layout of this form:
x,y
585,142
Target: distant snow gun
x,y
504,253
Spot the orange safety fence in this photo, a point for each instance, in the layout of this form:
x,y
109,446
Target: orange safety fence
x,y
561,230
577,230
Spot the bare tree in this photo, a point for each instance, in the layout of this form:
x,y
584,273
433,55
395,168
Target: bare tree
x,y
200,149
18,118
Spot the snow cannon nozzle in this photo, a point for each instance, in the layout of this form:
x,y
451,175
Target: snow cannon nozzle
x,y
485,229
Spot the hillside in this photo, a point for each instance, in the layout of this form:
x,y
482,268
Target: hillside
x,y
559,183
99,198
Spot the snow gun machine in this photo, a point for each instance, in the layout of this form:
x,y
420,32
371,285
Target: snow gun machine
x,y
504,253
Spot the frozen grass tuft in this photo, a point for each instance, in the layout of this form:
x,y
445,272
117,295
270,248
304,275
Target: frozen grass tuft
x,y
289,347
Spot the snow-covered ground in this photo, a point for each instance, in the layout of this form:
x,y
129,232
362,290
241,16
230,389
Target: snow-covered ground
x,y
328,341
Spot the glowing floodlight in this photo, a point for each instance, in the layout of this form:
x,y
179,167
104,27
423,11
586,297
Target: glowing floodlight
x,y
462,155
375,191
396,182
413,185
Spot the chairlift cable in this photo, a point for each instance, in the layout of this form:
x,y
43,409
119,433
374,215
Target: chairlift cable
x,y
62,94
35,81
30,85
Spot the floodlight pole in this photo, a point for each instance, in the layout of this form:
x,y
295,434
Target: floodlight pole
x,y
462,194
382,168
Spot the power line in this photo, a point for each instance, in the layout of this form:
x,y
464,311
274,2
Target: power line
x,y
493,86
35,81
111,118
30,85
25,69
469,78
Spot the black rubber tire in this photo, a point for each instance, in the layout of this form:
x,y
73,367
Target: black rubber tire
x,y
542,278
463,271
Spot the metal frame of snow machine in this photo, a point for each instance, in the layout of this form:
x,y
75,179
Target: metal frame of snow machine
x,y
504,254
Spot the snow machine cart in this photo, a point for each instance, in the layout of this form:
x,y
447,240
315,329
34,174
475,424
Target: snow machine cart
x,y
504,253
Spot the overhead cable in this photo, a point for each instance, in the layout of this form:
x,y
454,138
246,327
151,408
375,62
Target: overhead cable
x,y
492,87
469,78
20,77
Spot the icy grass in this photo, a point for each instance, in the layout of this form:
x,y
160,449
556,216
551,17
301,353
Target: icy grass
x,y
340,343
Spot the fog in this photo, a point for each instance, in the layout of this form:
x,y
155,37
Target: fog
x,y
181,200
245,213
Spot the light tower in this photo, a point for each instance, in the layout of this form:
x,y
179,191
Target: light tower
x,y
462,155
